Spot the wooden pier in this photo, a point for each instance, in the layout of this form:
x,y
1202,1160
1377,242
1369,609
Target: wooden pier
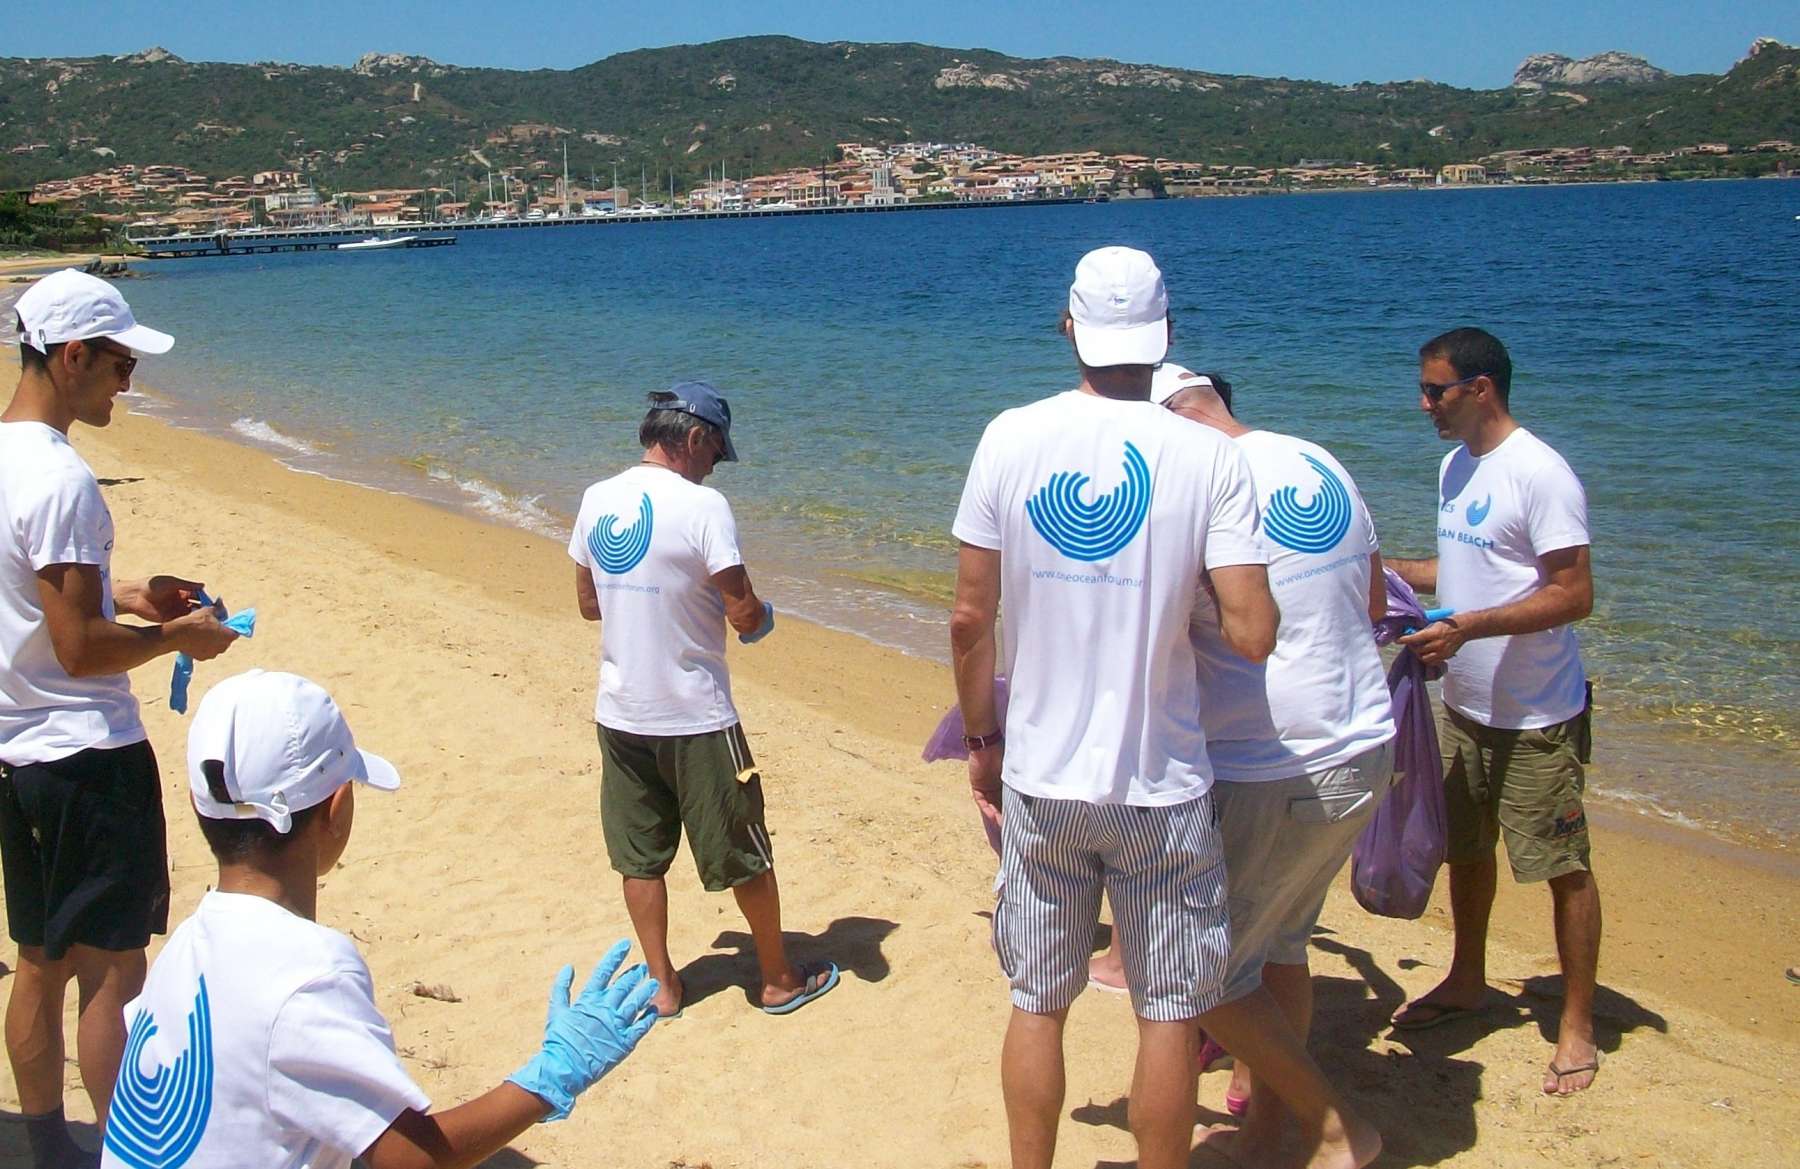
x,y
313,239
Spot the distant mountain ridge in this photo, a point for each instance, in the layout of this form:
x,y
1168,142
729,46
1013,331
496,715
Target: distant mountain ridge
x,y
767,102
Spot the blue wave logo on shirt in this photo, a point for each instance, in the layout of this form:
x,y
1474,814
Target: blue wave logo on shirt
x,y
1315,526
618,550
1479,511
158,1118
1098,530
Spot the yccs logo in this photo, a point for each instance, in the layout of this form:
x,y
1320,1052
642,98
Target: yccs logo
x,y
1315,526
1479,511
618,551
158,1117
1092,531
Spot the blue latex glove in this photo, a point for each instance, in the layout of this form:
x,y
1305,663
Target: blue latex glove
x,y
244,624
1431,615
586,1039
763,630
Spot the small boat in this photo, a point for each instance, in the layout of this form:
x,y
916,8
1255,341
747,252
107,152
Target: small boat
x,y
376,241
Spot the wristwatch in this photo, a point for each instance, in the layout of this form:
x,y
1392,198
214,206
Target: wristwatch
x,y
977,742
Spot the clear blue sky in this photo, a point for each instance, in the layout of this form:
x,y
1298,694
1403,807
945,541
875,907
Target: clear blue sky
x,y
1455,41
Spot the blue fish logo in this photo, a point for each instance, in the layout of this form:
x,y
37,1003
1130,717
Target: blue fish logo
x,y
618,552
1315,526
1094,531
158,1118
1479,511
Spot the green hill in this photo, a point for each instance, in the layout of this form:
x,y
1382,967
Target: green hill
x,y
766,102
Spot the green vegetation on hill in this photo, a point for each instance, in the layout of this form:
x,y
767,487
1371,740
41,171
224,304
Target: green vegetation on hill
x,y
761,103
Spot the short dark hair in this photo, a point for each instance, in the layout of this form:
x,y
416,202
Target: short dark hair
x,y
29,357
1470,352
245,840
664,427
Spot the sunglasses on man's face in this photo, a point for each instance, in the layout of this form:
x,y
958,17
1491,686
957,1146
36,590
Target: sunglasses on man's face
x,y
1435,391
127,361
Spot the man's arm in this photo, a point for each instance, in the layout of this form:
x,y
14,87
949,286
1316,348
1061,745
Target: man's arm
x,y
1566,595
587,597
1377,589
1420,574
743,608
1247,614
972,656
87,644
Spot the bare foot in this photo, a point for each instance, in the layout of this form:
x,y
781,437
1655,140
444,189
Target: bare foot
x,y
1224,1141
1107,972
1572,1069
667,999
1349,1142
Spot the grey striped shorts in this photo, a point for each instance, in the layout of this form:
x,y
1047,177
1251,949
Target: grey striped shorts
x,y
1163,870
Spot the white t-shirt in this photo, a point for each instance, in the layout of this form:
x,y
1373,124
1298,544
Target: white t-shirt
x,y
1496,515
255,1042
653,542
51,512
1105,514
1321,698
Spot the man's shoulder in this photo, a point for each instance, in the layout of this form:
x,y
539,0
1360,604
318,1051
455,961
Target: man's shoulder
x,y
37,456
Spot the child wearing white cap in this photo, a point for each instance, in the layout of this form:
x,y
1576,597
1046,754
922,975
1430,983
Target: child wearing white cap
x,y
256,1040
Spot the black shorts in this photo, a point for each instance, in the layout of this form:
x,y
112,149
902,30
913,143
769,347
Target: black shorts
x,y
84,853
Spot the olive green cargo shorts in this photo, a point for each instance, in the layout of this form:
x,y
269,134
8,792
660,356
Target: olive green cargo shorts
x,y
1523,787
653,785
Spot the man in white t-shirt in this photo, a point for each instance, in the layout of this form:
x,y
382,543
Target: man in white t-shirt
x,y
1100,520
81,820
1302,743
256,1040
1513,564
656,557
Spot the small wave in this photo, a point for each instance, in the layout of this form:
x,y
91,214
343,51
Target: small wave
x,y
257,430
528,512
1648,805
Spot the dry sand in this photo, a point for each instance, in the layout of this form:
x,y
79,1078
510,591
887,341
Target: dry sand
x,y
456,650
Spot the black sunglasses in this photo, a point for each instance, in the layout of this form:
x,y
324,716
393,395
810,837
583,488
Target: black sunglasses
x,y
122,354
1435,391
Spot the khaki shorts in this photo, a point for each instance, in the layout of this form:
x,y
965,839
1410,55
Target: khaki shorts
x,y
1523,787
1286,840
651,786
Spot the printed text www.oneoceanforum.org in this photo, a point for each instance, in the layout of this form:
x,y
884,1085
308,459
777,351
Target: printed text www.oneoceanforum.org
x,y
1124,582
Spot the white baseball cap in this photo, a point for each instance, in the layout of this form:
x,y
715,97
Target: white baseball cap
x,y
1120,308
73,306
1168,378
284,745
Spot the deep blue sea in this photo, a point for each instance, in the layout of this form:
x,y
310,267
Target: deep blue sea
x,y
1653,330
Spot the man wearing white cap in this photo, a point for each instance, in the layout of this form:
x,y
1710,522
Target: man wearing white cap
x,y
81,821
257,1040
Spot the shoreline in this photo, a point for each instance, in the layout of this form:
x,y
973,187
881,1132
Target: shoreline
x,y
453,646
1628,744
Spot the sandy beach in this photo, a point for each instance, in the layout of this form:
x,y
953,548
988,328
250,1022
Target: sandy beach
x,y
455,649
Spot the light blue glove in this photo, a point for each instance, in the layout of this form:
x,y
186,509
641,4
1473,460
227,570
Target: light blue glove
x,y
586,1039
244,624
763,630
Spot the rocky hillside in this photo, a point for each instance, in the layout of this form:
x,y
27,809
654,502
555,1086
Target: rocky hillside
x,y
763,102
1614,68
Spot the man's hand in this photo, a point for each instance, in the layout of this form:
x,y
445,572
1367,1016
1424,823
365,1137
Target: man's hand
x,y
160,598
200,634
984,784
585,1039
1437,643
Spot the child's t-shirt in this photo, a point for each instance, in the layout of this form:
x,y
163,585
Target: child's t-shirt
x,y
255,1042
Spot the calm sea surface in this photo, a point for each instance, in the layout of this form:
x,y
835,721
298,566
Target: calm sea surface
x,y
1653,330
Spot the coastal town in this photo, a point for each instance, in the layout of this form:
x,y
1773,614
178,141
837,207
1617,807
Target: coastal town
x,y
162,199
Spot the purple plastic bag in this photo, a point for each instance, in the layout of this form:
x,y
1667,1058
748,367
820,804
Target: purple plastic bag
x,y
946,741
1396,859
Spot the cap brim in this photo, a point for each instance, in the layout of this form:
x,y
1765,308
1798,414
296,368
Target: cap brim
x,y
730,455
1138,345
380,773
143,340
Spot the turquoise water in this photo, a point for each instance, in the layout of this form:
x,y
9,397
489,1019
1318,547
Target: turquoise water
x,y
1652,328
